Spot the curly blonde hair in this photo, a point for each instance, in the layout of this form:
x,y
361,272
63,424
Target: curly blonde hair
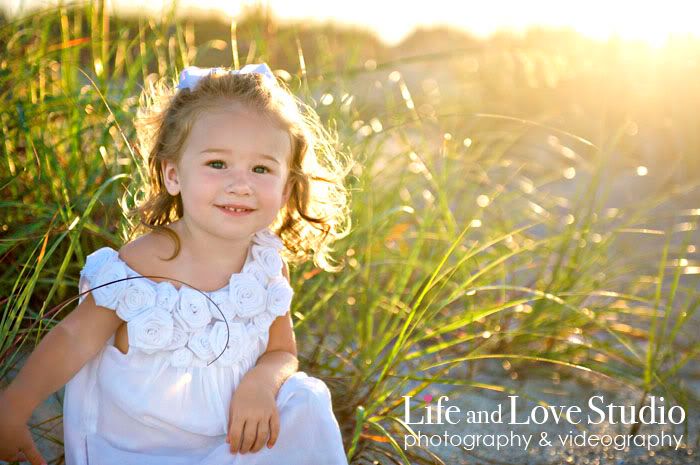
x,y
317,212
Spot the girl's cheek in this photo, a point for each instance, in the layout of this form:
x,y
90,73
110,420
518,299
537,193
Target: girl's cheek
x,y
212,177
205,172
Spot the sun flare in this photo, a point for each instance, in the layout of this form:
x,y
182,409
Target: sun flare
x,y
653,23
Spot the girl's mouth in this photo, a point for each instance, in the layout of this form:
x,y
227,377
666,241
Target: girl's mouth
x,y
235,211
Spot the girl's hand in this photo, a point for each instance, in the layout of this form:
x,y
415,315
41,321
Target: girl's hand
x,y
16,443
252,416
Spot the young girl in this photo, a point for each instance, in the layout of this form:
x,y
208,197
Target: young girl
x,y
181,350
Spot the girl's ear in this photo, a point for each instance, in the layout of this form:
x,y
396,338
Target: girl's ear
x,y
170,177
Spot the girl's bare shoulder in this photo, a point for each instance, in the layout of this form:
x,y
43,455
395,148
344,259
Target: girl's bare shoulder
x,y
147,251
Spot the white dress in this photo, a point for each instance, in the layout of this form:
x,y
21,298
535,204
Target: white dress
x,y
163,403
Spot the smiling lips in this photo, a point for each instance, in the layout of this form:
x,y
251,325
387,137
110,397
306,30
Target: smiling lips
x,y
236,210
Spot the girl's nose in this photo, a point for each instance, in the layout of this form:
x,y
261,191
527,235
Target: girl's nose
x,y
238,185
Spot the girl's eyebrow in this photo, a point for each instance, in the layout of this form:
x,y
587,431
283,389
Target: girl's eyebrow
x,y
264,155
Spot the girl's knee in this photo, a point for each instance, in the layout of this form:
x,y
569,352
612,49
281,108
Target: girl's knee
x,y
313,391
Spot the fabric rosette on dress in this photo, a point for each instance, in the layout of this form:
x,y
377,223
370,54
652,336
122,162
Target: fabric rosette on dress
x,y
269,260
109,284
89,274
138,297
151,331
247,295
256,270
279,295
229,344
166,296
192,310
198,343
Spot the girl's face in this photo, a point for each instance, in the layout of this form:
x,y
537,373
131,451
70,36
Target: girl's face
x,y
232,157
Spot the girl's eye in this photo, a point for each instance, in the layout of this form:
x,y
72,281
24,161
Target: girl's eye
x,y
217,163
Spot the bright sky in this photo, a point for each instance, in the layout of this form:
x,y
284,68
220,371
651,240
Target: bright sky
x,y
651,21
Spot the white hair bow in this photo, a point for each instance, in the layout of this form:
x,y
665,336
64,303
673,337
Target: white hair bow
x,y
192,74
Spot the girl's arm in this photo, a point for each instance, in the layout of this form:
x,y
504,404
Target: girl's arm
x,y
60,355
253,402
279,361
57,358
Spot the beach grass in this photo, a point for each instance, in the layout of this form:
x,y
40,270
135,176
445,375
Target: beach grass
x,y
506,218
